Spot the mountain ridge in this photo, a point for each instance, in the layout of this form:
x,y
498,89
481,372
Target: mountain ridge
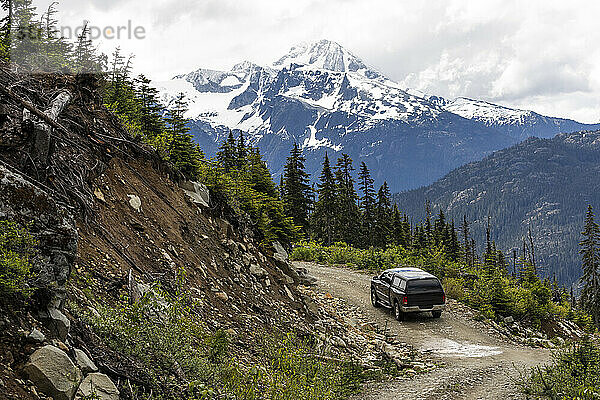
x,y
326,99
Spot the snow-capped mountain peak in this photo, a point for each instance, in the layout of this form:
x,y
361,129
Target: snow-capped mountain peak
x,y
324,55
326,99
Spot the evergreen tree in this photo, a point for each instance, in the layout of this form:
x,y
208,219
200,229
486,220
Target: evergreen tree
x,y
428,227
295,188
85,59
6,25
242,153
183,152
323,218
466,242
367,205
399,235
228,153
440,231
383,218
348,214
420,241
260,176
150,109
26,35
453,249
590,254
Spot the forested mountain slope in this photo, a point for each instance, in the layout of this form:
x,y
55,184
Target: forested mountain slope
x,y
542,184
327,99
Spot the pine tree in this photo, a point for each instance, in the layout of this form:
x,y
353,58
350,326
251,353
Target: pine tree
x,y
440,231
590,255
26,35
399,235
151,109
55,50
453,249
466,242
183,152
348,215
242,153
6,26
367,205
428,227
383,220
228,153
296,190
323,218
260,176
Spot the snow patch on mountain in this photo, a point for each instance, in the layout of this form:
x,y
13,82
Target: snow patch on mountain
x,y
488,113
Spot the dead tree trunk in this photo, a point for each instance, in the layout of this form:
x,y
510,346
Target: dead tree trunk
x,y
43,142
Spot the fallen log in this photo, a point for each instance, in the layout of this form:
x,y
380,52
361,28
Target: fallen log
x,y
31,108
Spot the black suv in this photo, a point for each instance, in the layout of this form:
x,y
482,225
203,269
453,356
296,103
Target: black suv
x,y
408,289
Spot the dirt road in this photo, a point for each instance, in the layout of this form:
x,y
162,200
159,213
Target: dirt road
x,y
474,364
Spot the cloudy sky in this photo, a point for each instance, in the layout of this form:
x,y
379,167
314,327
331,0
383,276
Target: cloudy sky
x,y
539,55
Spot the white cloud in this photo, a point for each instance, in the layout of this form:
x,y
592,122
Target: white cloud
x,y
541,55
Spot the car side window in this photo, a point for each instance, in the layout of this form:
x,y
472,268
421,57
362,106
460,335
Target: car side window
x,y
402,285
387,278
397,281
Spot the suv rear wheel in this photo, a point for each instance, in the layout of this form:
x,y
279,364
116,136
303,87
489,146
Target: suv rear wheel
x,y
374,300
398,312
436,314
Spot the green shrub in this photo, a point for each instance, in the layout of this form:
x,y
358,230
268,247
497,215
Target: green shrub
x,y
573,374
455,288
16,249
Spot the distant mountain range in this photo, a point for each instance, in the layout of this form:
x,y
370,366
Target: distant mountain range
x,y
545,184
326,99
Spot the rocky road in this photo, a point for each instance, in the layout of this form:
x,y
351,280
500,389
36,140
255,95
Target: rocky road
x,y
474,363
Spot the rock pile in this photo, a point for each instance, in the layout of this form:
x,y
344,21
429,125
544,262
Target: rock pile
x,y
345,329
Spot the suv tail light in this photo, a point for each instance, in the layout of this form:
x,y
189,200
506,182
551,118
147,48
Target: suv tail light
x,y
444,298
405,300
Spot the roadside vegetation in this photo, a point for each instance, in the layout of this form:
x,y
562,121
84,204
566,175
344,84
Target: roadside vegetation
x,y
573,374
164,333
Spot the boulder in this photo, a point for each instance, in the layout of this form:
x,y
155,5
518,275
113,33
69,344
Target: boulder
x,y
280,252
258,271
36,336
197,192
509,320
58,323
222,295
53,373
97,386
84,363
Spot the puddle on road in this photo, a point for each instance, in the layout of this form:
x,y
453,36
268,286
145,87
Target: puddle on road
x,y
450,348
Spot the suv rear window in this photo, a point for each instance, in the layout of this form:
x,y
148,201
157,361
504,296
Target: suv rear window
x,y
424,285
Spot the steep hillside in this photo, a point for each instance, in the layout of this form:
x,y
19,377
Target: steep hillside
x,y
542,184
326,99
